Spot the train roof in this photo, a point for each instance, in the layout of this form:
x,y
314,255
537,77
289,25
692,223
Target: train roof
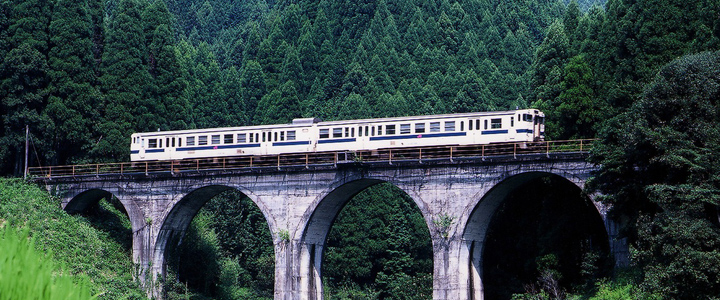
x,y
306,122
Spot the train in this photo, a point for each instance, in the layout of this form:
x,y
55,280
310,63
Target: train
x,y
305,135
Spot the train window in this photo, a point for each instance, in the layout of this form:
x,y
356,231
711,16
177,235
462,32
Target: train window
x,y
367,130
527,117
324,133
390,129
380,132
462,126
264,136
477,124
291,135
512,121
373,131
173,142
275,137
167,142
450,126
485,124
404,128
337,132
347,131
228,139
419,127
470,124
495,123
160,143
282,135
202,140
215,139
190,141
360,131
434,126
241,138
253,138
352,132
152,143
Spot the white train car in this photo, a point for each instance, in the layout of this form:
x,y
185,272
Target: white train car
x,y
311,135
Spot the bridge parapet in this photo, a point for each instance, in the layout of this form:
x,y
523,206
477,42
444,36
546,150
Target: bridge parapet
x,y
320,160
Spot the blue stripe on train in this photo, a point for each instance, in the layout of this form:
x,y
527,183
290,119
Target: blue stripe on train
x,y
154,150
524,131
416,136
295,143
504,131
134,151
215,147
336,141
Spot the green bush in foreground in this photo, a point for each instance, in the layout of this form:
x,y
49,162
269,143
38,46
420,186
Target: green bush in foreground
x,y
26,274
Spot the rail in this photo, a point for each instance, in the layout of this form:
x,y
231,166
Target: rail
x,y
389,156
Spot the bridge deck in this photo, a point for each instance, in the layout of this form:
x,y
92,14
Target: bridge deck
x,y
317,159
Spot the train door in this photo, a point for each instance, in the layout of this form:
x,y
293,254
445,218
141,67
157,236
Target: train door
x,y
171,143
141,152
511,133
538,127
265,142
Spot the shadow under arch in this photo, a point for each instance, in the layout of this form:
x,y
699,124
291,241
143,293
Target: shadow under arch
x,y
476,229
84,200
320,219
87,204
181,214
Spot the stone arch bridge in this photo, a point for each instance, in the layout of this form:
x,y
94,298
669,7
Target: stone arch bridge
x,y
301,202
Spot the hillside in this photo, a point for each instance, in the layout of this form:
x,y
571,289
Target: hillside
x,y
78,243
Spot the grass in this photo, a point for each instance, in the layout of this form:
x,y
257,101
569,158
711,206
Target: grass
x,y
26,273
73,242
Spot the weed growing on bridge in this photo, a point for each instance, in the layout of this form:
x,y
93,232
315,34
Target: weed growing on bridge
x,y
443,223
284,235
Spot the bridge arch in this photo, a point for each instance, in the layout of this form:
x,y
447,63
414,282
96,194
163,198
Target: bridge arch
x,y
84,199
179,215
319,218
486,206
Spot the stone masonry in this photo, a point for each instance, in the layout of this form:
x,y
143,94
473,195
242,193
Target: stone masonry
x,y
456,198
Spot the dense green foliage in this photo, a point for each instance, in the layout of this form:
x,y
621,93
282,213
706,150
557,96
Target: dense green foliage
x,y
593,66
659,171
84,75
95,248
379,246
26,274
226,253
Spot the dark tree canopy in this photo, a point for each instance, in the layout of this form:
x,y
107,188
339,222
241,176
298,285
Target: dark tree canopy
x,y
659,171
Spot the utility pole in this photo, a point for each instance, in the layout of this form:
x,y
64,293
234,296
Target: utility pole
x,y
27,136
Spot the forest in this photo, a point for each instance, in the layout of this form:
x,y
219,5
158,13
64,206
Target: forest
x,y
642,76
